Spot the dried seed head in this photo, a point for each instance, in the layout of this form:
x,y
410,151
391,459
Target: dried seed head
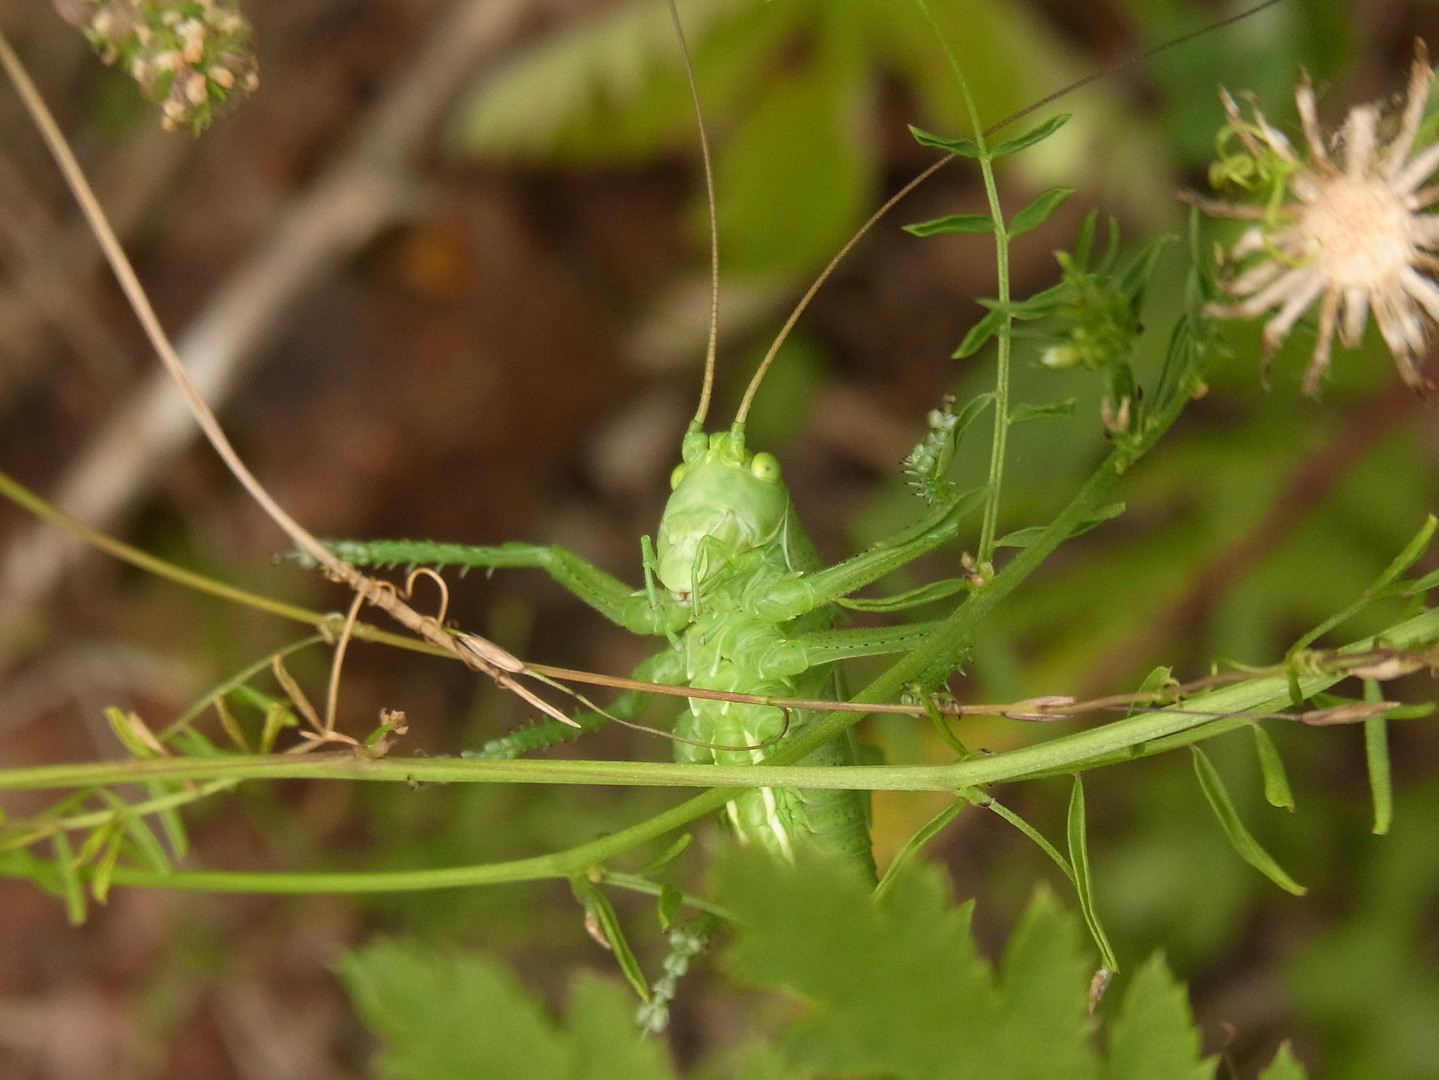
x,y
205,44
1352,235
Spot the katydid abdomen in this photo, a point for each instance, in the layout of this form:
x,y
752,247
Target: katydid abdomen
x,y
734,650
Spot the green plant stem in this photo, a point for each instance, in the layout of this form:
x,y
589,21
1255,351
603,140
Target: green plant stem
x,y
1140,735
1000,438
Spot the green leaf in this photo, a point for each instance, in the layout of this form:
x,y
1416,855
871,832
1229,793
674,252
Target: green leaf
x,y
896,988
71,887
925,594
670,902
1276,781
666,858
1029,411
911,847
1029,138
1037,212
1244,843
979,799
598,907
1376,755
457,1016
1021,538
952,223
963,147
1083,886
979,333
1154,1034
1284,1066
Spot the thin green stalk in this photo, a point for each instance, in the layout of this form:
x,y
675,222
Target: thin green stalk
x,y
1000,437
1138,735
1084,749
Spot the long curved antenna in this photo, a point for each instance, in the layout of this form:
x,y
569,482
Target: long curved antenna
x,y
713,346
829,269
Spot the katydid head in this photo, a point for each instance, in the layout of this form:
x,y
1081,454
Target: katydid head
x,y
723,493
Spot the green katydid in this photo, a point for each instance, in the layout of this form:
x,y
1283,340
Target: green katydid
x,y
739,592
737,589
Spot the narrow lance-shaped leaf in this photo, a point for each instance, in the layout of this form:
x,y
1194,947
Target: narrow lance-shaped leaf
x,y
979,333
71,889
139,833
1276,781
104,868
1405,559
980,799
1037,212
1027,410
1030,137
1024,537
1244,843
952,223
668,907
1376,754
912,846
1079,859
608,931
963,147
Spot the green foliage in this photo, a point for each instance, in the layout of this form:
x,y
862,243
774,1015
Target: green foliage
x,y
457,1016
896,988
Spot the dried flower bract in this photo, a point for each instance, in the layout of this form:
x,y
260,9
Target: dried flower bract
x,y
1353,235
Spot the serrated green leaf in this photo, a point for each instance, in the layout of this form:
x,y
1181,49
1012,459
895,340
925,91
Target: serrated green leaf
x,y
1078,832
1271,765
1021,538
963,147
1038,211
979,333
1242,840
896,988
1030,137
1154,1034
1285,1066
952,223
451,1016
1030,411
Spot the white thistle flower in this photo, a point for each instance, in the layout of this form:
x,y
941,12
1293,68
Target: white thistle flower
x,y
1353,237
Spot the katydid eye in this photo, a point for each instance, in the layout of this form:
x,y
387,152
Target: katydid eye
x,y
765,467
677,475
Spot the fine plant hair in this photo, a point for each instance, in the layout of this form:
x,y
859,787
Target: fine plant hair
x,y
101,835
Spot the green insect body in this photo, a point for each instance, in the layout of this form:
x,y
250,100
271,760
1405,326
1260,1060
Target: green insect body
x,y
730,540
745,606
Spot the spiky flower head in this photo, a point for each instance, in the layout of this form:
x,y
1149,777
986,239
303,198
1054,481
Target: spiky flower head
x,y
188,56
1352,233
